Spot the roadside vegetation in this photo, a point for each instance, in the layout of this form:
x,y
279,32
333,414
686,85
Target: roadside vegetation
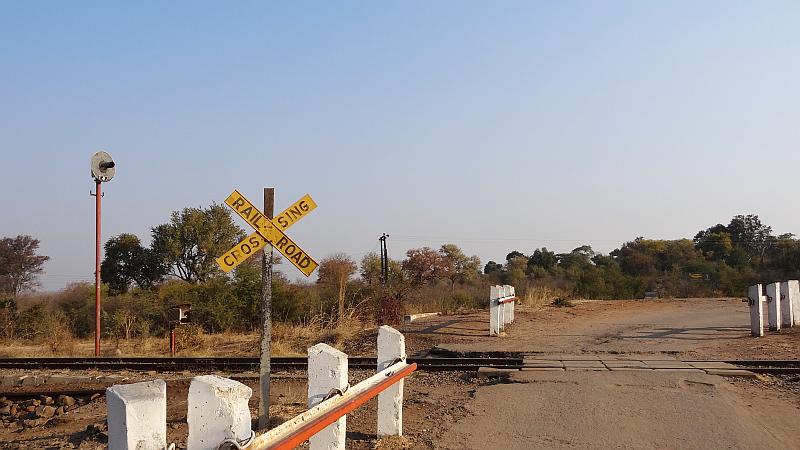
x,y
141,283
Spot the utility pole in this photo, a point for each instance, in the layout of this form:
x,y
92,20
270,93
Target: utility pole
x,y
384,260
266,316
102,167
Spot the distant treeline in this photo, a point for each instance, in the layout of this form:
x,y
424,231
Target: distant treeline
x,y
141,283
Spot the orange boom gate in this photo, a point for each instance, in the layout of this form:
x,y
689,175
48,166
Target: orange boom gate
x,y
291,434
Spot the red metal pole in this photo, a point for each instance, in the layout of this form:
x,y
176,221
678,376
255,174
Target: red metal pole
x,y
98,195
172,340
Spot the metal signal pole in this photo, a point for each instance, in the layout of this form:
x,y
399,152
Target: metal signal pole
x,y
384,260
98,196
103,169
266,317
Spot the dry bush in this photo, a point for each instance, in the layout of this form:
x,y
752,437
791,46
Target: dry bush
x,y
189,338
58,335
542,295
295,339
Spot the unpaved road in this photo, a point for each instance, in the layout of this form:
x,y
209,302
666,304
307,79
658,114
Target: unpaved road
x,y
679,328
641,409
635,410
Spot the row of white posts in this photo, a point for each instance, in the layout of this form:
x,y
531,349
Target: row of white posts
x,y
782,302
501,308
219,417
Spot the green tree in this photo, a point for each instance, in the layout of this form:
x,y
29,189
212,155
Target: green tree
x,y
462,268
370,270
515,254
127,262
543,258
190,243
492,267
715,242
750,234
20,266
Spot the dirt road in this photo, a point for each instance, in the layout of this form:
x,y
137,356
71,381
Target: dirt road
x,y
680,328
625,409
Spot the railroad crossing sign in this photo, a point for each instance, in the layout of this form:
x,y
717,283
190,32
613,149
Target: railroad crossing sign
x,y
269,231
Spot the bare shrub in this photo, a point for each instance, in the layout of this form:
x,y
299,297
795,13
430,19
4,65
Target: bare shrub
x,y
58,335
542,295
392,305
189,337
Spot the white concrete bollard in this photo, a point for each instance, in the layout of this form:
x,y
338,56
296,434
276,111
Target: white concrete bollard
x,y
217,411
494,311
391,347
502,307
755,301
774,306
787,313
137,416
793,295
512,304
327,372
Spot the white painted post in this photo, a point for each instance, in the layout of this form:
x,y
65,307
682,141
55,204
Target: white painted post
x,y
327,372
391,347
217,411
774,306
787,314
502,307
512,304
794,300
494,311
137,416
755,301
508,305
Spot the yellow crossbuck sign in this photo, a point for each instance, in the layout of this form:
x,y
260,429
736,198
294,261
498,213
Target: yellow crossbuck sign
x,y
269,231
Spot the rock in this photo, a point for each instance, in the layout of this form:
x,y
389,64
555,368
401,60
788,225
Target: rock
x,y
46,399
10,380
97,428
45,411
5,410
31,423
32,380
61,410
94,396
30,409
14,410
111,379
28,403
65,400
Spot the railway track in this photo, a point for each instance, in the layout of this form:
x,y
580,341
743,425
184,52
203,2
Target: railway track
x,y
242,364
231,364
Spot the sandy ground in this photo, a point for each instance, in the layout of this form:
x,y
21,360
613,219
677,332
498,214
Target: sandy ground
x,y
545,409
679,328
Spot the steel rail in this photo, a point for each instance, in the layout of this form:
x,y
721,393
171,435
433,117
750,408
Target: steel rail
x,y
241,363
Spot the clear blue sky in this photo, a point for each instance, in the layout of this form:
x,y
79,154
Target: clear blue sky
x,y
492,125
